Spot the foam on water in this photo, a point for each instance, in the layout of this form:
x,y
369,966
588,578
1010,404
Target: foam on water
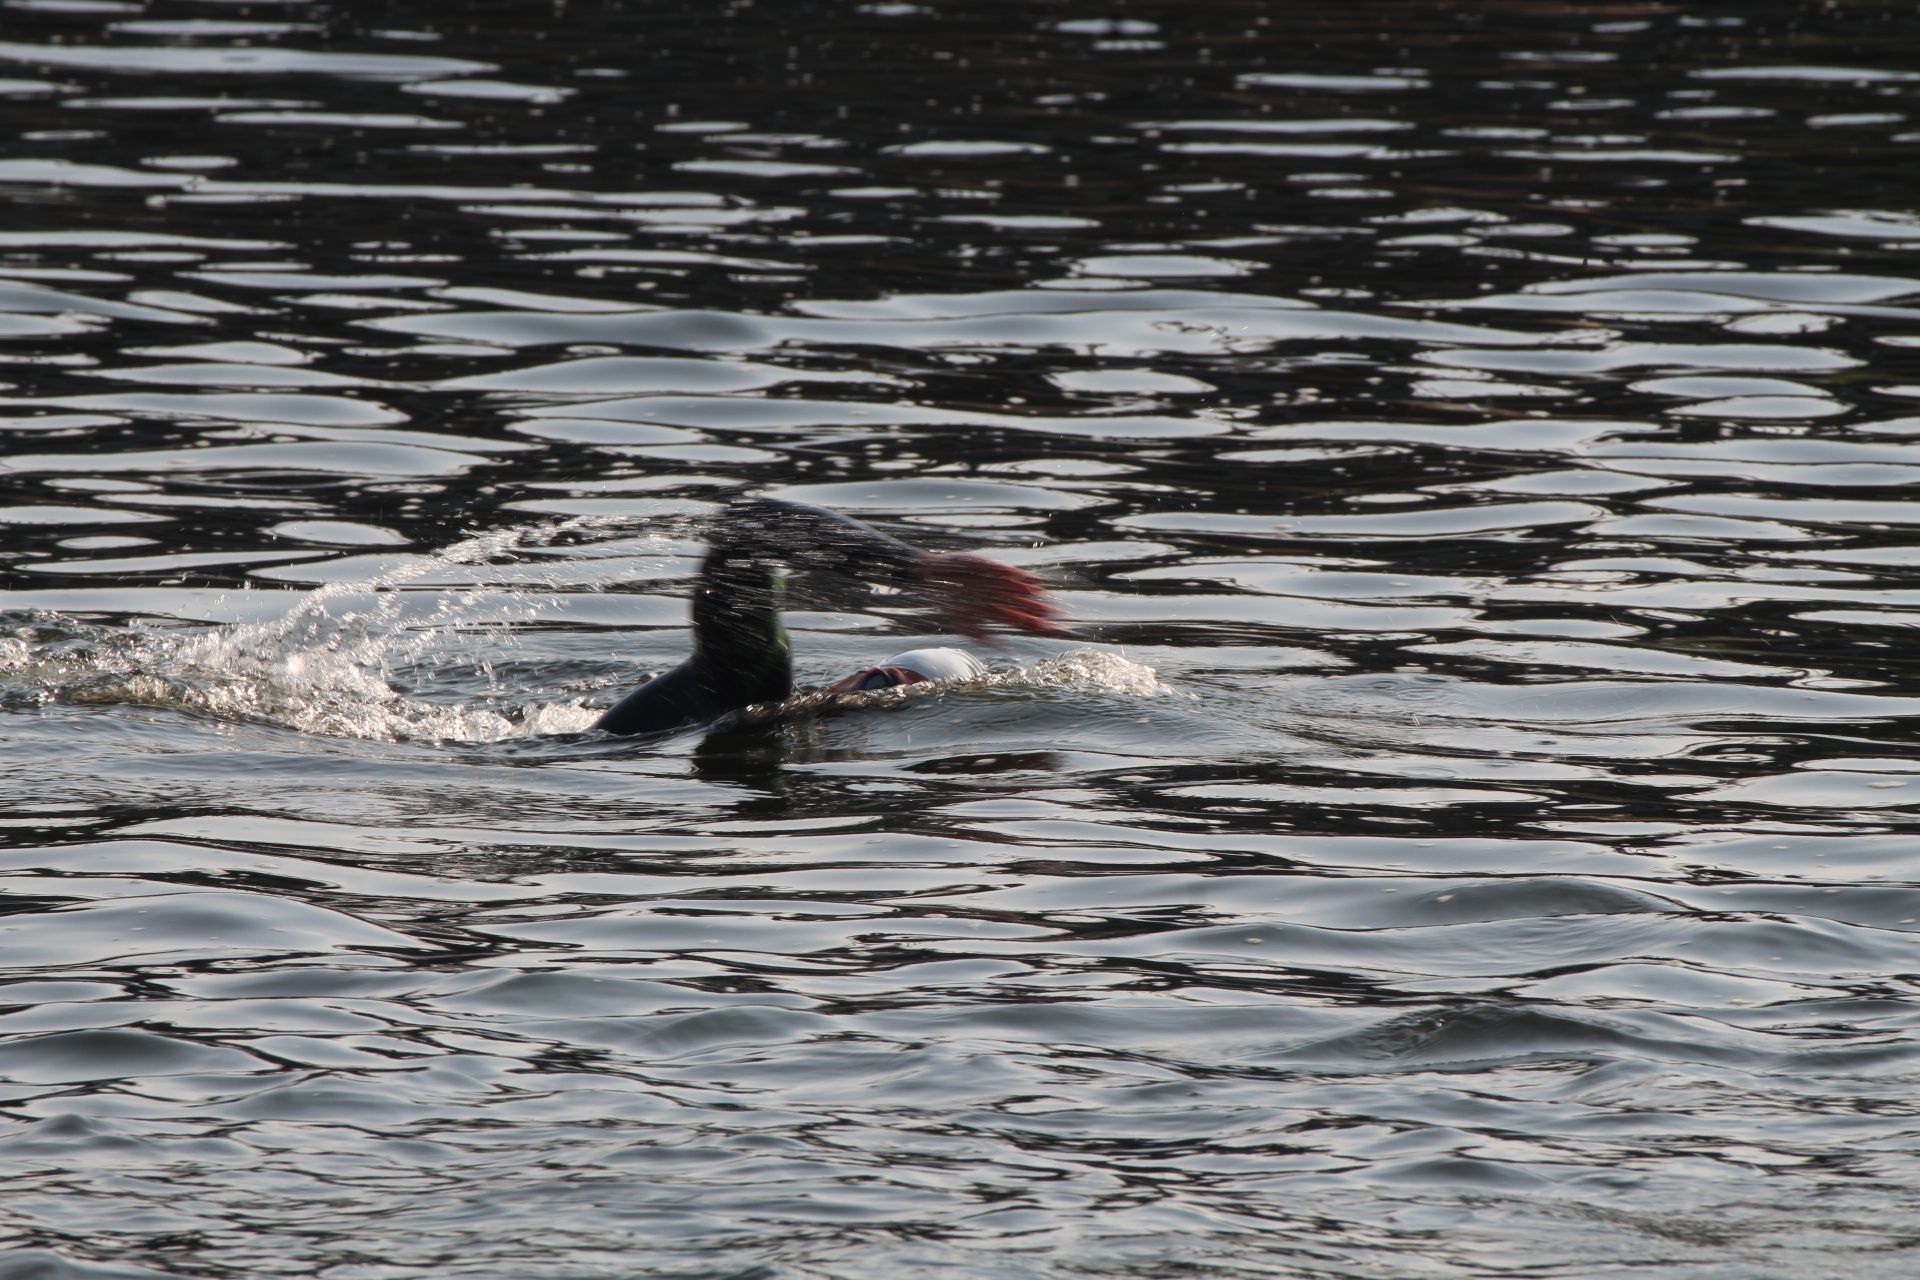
x,y
347,660
1078,671
1087,670
357,658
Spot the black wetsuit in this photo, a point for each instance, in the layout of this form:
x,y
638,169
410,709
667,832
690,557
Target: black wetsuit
x,y
740,655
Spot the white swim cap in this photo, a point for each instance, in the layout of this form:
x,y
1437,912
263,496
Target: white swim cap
x,y
915,666
937,664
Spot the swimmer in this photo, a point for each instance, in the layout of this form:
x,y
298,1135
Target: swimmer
x,y
740,653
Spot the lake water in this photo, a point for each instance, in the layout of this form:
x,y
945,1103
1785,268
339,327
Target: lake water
x,y
1474,829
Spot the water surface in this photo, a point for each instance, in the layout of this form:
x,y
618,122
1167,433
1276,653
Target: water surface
x,y
1470,833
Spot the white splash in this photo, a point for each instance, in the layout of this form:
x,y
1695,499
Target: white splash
x,y
1083,671
364,658
330,665
1086,670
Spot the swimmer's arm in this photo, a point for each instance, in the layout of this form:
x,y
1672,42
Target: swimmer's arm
x,y
815,541
740,649
669,700
971,593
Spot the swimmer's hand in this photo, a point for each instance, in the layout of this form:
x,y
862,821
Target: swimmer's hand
x,y
974,593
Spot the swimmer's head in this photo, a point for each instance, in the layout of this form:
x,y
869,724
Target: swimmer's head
x,y
915,666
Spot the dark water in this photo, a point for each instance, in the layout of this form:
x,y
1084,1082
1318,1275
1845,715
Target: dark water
x,y
1472,832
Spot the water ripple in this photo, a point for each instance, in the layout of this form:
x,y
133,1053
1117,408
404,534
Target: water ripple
x,y
1468,832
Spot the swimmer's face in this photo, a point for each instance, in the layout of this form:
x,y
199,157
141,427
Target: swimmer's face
x,y
916,666
876,678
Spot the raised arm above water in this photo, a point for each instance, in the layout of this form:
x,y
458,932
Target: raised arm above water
x,y
740,653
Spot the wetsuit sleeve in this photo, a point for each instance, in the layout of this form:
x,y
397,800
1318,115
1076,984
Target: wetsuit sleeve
x,y
972,594
740,653
669,700
812,540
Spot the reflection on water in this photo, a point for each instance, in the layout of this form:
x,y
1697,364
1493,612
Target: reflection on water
x,y
1467,835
